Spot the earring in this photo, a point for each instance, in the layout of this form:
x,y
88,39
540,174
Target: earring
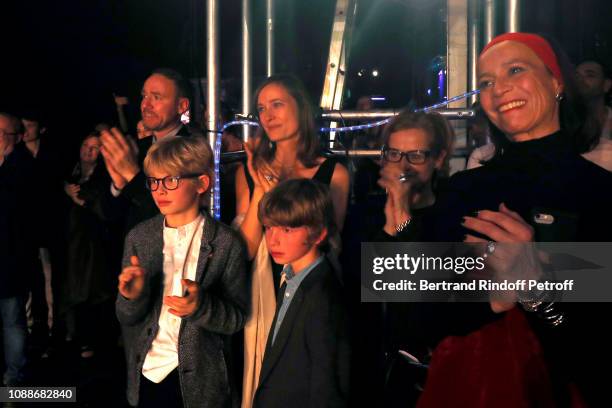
x,y
559,96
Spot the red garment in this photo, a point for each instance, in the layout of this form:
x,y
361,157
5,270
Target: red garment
x,y
538,45
501,365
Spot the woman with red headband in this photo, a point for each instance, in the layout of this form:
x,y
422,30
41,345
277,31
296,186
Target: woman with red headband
x,y
518,351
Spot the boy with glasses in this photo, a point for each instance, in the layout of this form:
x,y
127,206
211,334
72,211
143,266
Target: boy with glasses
x,y
183,289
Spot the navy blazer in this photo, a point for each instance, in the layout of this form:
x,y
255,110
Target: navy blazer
x,y
308,365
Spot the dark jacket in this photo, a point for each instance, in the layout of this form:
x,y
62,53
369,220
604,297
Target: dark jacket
x,y
19,220
51,165
308,365
203,349
93,251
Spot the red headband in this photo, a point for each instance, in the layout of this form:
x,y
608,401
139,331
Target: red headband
x,y
537,44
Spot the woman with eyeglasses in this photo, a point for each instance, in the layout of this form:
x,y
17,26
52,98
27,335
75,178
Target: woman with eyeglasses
x,y
414,158
416,150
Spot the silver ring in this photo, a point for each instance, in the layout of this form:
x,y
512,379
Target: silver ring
x,y
268,177
490,249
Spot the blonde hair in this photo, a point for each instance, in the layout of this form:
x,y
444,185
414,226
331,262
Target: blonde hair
x,y
433,124
179,156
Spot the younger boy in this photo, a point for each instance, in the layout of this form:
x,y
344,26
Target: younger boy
x,y
306,362
183,289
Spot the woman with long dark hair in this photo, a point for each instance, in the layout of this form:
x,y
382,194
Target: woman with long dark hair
x,y
286,146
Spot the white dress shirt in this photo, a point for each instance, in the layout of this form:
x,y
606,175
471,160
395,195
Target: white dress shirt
x,y
162,357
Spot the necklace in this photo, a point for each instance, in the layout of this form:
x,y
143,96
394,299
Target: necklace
x,y
283,167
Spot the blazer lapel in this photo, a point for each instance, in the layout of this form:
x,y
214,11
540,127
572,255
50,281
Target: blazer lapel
x,y
274,351
155,266
156,247
206,250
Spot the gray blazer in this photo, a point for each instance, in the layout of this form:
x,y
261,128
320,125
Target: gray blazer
x,y
204,337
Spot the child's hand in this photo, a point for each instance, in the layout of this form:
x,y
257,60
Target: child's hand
x,y
183,306
131,280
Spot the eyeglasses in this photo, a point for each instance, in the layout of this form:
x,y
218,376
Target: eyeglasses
x,y
169,182
413,156
5,133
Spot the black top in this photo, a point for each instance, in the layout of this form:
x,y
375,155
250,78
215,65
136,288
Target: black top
x,y
420,218
542,176
19,221
323,175
538,176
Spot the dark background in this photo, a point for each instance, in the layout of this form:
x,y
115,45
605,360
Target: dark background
x,y
66,58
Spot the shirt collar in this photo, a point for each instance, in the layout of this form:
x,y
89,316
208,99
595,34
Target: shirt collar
x,y
290,275
173,132
183,230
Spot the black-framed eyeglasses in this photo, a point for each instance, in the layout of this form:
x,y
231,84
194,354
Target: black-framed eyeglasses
x,y
5,133
169,182
413,156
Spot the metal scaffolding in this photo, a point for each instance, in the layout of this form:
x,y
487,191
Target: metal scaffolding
x,y
246,62
212,72
464,28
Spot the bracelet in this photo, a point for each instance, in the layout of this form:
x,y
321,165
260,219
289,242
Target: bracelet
x,y
543,306
400,227
546,311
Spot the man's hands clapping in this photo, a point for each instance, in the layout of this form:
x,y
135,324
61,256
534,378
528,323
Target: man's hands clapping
x,y
120,156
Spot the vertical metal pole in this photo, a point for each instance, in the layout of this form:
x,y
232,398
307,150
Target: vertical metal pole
x,y
457,67
513,16
490,28
246,63
212,74
457,50
473,45
269,37
339,50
